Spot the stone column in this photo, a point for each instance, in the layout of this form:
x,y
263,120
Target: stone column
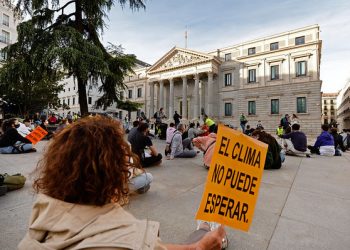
x,y
210,94
196,96
184,97
151,90
171,98
161,94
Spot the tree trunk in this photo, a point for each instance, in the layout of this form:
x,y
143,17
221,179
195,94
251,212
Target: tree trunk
x,y
84,109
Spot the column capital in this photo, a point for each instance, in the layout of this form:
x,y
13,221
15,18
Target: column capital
x,y
184,78
210,73
196,76
171,79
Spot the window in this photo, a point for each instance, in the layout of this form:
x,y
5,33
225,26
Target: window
x,y
68,101
331,101
3,55
301,104
228,109
332,113
68,89
73,101
64,101
130,93
275,106
325,113
300,68
227,57
90,100
228,79
251,51
139,92
325,107
332,107
325,102
275,72
5,37
274,46
251,108
6,20
251,75
299,40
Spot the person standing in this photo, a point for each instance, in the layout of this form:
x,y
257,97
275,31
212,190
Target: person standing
x,y
285,122
177,118
242,122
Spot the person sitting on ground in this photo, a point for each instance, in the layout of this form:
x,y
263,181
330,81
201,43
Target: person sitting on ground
x,y
12,142
141,142
193,132
207,145
52,119
133,131
139,180
324,144
279,131
338,142
63,124
181,148
170,132
23,129
295,143
210,123
275,156
249,130
259,125
79,203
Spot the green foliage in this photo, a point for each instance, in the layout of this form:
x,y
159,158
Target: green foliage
x,y
65,36
129,106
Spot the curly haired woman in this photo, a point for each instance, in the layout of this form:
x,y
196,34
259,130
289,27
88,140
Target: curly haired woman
x,y
82,180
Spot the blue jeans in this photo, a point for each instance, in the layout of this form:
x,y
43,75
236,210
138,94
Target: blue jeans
x,y
13,150
141,181
243,127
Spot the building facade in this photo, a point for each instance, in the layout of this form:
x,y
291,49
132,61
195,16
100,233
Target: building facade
x,y
8,35
8,28
329,108
343,107
265,79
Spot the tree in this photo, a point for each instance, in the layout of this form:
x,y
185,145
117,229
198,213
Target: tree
x,y
26,84
65,35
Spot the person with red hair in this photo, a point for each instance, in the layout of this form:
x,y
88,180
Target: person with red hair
x,y
82,181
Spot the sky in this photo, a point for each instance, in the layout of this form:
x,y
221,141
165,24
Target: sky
x,y
213,24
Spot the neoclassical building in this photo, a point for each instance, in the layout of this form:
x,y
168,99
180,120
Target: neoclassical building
x,y
265,79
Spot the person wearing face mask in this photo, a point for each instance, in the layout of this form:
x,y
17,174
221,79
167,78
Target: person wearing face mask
x,y
12,142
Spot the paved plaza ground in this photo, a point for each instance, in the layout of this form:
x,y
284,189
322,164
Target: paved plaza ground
x,y
304,205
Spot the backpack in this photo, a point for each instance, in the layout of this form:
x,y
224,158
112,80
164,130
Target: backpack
x,y
167,150
155,115
14,182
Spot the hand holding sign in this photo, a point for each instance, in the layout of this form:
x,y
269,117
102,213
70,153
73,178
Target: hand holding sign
x,y
233,180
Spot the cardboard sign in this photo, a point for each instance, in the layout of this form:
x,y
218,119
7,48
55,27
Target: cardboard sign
x,y
36,135
233,180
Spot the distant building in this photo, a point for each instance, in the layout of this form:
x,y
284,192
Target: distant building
x,y
343,107
329,108
8,35
265,79
8,26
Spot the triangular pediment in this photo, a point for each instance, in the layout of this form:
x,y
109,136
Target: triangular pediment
x,y
178,58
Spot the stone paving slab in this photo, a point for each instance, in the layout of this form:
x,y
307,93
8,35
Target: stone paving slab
x,y
304,205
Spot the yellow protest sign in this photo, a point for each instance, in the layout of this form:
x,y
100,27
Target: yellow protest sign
x,y
36,135
233,180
